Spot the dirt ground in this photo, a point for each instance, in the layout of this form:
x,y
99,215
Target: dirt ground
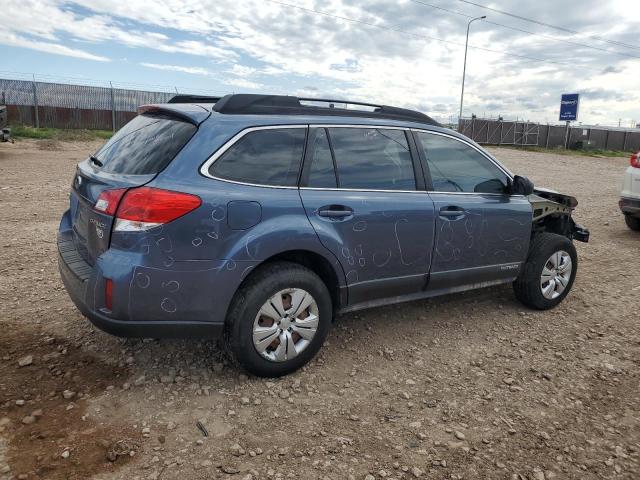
x,y
466,386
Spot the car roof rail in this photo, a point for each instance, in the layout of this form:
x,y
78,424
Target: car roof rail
x,y
245,103
193,99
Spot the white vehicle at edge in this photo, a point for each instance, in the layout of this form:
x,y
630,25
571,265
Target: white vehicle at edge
x,y
630,196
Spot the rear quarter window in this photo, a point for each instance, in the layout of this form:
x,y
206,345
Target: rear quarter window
x,y
263,157
145,145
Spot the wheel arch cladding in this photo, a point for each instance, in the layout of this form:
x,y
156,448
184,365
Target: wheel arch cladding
x,y
329,271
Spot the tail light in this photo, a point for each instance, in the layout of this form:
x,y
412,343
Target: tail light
x,y
635,160
108,294
108,201
147,207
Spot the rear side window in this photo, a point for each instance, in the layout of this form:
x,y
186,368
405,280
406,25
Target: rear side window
x,y
145,145
263,157
372,158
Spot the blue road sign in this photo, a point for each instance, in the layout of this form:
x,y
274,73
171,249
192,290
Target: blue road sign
x,y
569,104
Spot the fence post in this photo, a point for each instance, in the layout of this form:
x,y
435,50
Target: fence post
x,y
606,141
113,110
566,136
546,145
624,142
35,101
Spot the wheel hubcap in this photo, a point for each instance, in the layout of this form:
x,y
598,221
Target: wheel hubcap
x,y
285,324
556,274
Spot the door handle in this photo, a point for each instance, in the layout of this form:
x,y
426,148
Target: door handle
x,y
451,212
335,211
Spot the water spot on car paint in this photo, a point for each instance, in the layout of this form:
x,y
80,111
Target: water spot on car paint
x,y
218,213
468,225
444,246
352,276
245,271
172,286
351,261
168,261
380,259
165,245
399,241
360,226
231,265
362,261
143,280
196,242
358,250
251,254
168,305
213,235
345,252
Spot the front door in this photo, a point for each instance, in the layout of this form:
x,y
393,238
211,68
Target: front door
x,y
482,232
360,193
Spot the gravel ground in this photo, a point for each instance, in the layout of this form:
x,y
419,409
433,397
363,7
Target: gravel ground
x,y
466,386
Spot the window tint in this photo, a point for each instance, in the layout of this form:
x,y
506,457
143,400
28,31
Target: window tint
x,y
371,158
321,172
456,167
263,157
145,145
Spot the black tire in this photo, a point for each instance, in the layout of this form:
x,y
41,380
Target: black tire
x,y
527,286
632,222
259,287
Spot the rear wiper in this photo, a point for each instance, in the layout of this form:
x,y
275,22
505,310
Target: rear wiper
x,y
96,161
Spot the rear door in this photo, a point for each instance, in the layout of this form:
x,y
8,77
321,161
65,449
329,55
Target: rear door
x,y
482,232
132,157
366,202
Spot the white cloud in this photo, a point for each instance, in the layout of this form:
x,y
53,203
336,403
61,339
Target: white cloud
x,y
178,68
242,83
48,47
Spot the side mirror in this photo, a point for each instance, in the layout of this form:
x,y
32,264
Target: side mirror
x,y
521,186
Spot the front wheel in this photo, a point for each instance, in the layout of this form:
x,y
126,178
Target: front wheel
x,y
279,319
548,273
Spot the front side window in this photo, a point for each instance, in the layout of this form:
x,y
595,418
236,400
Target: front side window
x,y
456,167
263,157
372,159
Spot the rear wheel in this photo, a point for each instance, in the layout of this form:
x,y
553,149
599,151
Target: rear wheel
x,y
279,319
549,272
632,222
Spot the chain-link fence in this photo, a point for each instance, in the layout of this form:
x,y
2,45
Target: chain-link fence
x,y
500,132
59,105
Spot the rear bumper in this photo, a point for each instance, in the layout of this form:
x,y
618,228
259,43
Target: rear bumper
x,y
80,280
630,206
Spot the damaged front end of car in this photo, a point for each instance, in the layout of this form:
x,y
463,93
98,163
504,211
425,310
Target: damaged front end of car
x,y
552,213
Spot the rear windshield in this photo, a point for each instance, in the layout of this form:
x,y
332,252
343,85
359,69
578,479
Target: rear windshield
x,y
145,145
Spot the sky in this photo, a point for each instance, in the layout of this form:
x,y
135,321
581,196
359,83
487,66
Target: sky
x,y
406,53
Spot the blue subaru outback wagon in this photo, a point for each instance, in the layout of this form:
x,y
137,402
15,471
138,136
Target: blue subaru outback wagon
x,y
258,218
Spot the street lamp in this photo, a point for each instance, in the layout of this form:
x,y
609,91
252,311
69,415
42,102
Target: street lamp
x,y
464,69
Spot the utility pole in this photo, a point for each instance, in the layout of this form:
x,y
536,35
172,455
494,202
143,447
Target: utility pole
x,y
464,68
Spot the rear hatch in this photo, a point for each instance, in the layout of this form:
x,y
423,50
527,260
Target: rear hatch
x,y
131,158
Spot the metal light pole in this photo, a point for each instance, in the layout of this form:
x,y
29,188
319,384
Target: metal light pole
x,y
464,69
